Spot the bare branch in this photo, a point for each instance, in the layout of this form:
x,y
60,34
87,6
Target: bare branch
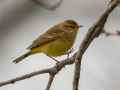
x,y
50,7
111,34
12,81
94,31
52,71
114,0
50,82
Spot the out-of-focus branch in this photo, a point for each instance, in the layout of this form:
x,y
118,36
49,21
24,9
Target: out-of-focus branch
x,y
111,34
52,71
50,7
94,31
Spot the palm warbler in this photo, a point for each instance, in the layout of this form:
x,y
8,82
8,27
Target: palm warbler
x,y
54,42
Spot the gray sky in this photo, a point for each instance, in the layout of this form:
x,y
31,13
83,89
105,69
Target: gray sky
x,y
22,21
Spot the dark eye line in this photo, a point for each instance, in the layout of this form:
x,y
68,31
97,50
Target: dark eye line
x,y
70,26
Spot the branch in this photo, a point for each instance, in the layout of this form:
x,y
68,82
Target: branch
x,y
50,82
111,34
12,81
50,7
114,0
52,71
94,31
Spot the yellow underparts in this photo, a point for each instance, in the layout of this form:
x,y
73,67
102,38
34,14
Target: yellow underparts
x,y
57,47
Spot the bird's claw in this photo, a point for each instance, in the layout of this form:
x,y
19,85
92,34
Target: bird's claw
x,y
70,52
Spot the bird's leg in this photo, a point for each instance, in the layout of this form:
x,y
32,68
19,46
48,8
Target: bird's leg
x,y
53,58
68,53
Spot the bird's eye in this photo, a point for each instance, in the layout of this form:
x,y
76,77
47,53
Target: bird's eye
x,y
70,27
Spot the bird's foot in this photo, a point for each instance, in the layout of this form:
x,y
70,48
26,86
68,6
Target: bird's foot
x,y
68,53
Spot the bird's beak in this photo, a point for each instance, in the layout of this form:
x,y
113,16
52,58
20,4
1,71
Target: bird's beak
x,y
80,26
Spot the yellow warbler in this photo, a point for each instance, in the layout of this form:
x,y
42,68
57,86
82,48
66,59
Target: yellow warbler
x,y
54,42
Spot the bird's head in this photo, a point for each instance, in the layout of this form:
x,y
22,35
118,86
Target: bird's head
x,y
70,26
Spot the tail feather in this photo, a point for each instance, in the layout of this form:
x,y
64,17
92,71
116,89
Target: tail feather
x,y
21,57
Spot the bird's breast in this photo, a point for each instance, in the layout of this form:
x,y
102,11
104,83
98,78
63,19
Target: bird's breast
x,y
60,46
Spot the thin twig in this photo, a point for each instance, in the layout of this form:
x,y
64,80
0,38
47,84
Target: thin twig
x,y
111,34
12,81
94,30
50,7
50,82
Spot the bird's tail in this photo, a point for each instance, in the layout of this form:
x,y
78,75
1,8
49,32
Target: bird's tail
x,y
21,57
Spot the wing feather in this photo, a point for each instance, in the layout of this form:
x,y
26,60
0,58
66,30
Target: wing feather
x,y
50,35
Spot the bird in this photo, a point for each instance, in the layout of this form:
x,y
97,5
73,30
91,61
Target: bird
x,y
55,42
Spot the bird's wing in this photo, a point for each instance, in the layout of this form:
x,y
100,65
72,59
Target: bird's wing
x,y
50,35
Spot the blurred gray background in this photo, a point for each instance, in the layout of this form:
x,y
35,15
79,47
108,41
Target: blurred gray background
x,y
22,21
